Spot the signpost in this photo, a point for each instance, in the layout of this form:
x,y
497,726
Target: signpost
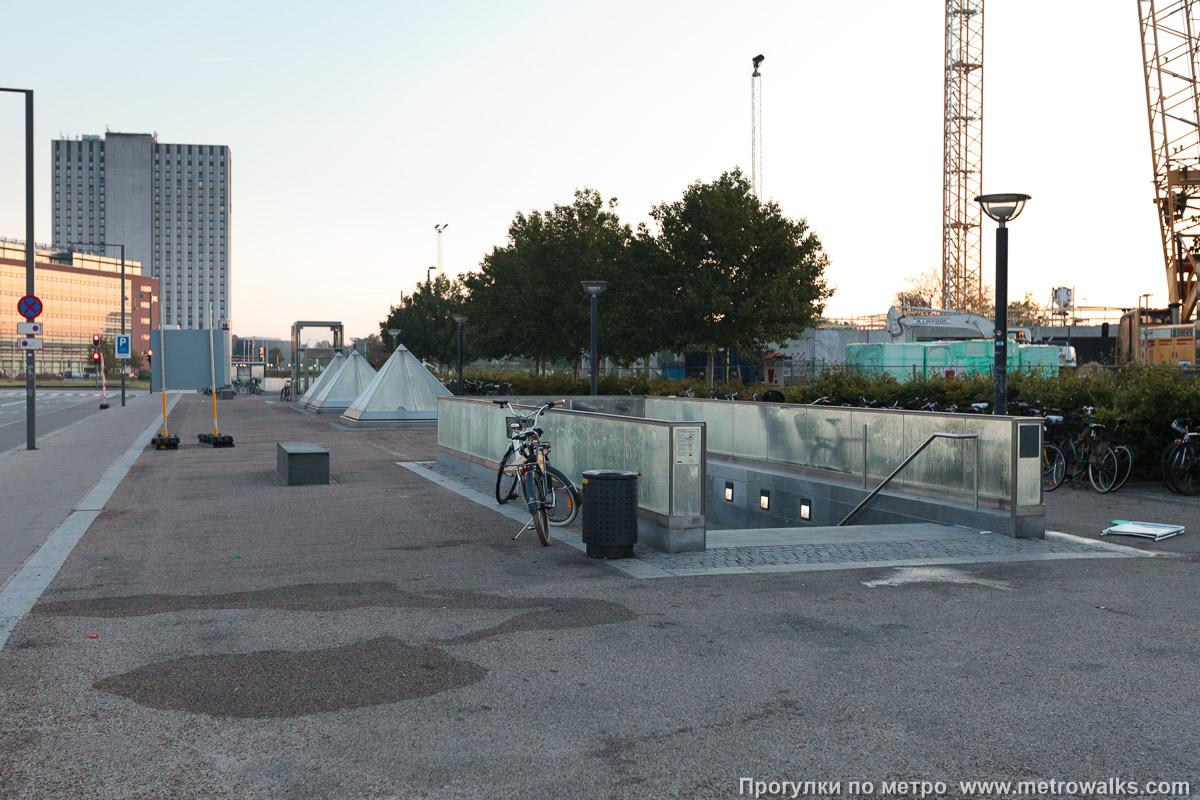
x,y
123,347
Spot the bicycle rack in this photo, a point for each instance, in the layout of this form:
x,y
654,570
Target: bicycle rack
x,y
907,461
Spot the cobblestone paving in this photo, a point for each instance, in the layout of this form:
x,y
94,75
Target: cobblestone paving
x,y
941,545
981,547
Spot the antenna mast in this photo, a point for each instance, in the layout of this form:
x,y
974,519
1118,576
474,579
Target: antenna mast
x,y
962,253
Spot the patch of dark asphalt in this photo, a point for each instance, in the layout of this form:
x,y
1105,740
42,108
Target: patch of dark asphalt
x,y
434,545
555,615
288,683
552,614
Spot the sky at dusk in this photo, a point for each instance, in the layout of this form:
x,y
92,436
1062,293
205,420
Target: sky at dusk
x,y
355,128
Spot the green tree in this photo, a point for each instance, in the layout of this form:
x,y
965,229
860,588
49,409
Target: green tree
x,y
273,356
742,274
526,298
423,319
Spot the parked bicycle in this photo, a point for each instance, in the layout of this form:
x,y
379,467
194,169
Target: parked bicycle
x,y
1076,444
1181,459
525,470
286,392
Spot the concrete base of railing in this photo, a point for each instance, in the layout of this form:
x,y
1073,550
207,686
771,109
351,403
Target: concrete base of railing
x,y
797,499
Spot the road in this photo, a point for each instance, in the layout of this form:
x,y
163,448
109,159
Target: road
x,y
56,409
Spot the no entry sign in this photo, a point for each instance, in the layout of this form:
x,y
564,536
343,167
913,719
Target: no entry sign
x,y
29,306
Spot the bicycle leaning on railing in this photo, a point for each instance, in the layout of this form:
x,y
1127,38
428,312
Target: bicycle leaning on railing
x,y
525,470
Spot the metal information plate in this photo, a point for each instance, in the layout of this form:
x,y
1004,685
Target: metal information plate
x,y
29,328
29,344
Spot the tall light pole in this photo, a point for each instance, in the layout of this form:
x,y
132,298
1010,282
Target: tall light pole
x,y
594,288
114,244
30,247
460,319
756,128
439,229
1002,208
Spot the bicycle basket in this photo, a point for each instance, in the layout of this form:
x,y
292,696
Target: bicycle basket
x,y
522,423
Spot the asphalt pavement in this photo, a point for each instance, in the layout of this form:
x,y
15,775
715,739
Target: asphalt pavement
x,y
215,633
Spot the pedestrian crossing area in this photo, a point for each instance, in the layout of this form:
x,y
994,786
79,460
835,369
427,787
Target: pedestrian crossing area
x,y
19,394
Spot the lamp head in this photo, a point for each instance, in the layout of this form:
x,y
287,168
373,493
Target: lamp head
x,y
594,288
1002,208
459,318
758,59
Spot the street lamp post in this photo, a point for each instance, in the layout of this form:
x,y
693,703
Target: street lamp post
x,y
460,319
114,244
1002,208
394,333
594,288
30,248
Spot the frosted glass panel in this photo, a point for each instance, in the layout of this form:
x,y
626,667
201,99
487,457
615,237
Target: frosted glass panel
x,y
941,464
750,436
885,442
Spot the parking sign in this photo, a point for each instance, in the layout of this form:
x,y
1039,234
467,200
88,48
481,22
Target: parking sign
x,y
123,348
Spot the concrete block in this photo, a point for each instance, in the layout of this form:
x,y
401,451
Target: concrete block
x,y
302,463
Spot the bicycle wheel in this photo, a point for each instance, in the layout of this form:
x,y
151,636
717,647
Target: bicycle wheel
x,y
1185,467
1124,465
563,497
507,478
534,490
1054,466
1103,474
1165,465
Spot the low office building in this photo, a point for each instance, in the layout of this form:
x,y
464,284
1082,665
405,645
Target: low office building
x,y
81,296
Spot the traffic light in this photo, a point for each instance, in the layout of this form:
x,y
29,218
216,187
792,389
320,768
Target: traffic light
x,y
262,354
149,359
96,357
95,340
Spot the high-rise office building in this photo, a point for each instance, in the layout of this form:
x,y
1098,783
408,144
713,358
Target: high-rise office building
x,y
167,203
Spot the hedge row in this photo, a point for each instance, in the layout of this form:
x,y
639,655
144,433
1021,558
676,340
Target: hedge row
x,y
1147,399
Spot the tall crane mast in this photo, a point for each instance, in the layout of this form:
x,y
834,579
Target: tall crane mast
x,y
962,251
1169,52
756,128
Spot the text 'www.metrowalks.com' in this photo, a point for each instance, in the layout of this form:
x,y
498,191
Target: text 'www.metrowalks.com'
x,y
1034,789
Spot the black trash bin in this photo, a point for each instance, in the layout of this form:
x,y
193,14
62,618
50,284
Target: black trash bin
x,y
609,508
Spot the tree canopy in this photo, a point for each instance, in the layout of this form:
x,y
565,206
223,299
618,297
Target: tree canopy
x,y
526,298
424,321
743,275
721,272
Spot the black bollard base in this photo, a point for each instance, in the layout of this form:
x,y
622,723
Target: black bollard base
x,y
215,439
165,442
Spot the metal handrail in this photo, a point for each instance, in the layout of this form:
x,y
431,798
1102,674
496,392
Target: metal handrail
x,y
908,460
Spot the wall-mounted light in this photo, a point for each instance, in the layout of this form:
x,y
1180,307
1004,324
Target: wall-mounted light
x,y
805,508
729,491
764,500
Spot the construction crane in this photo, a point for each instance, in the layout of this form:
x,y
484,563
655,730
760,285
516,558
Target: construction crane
x,y
1169,53
756,128
962,252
